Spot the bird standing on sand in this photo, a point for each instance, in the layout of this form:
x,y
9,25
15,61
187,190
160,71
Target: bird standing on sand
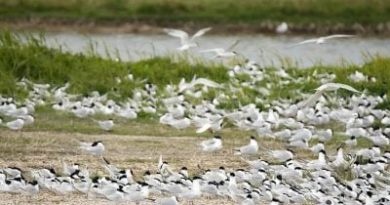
x,y
249,149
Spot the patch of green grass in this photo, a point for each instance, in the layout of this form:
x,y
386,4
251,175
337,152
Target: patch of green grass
x,y
165,12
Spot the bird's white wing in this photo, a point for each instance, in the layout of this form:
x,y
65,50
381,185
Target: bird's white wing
x,y
203,128
313,40
215,50
207,82
347,87
277,154
160,163
313,98
193,81
185,86
325,86
177,33
280,154
201,32
207,143
182,84
335,86
338,36
247,149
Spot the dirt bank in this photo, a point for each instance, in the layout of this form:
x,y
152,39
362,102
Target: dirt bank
x,y
381,29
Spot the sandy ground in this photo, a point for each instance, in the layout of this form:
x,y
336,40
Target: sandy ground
x,y
46,198
29,150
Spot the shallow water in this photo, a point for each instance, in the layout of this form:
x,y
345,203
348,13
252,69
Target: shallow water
x,y
265,49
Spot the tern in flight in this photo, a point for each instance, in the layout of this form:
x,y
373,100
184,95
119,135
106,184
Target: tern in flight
x,y
185,40
327,87
223,53
321,40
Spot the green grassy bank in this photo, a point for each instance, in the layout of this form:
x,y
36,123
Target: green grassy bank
x,y
88,72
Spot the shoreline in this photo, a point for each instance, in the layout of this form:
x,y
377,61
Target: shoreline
x,y
382,29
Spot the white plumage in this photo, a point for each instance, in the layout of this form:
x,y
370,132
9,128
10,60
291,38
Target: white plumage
x,y
94,148
212,145
322,40
249,149
324,88
185,40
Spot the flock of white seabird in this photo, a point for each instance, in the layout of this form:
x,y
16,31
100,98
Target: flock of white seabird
x,y
288,182
284,180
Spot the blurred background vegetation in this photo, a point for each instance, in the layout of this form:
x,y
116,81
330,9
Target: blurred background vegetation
x,y
172,12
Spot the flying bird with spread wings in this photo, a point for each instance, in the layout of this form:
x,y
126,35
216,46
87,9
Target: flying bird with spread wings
x,y
186,41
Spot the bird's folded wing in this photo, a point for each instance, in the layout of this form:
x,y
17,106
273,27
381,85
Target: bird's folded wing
x,y
207,143
203,128
246,149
